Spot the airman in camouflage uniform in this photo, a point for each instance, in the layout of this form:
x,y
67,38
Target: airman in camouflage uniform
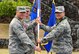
x,y
30,30
60,34
18,38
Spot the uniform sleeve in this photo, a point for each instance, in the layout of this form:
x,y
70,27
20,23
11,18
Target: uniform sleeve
x,y
78,33
30,24
54,33
35,31
19,31
47,28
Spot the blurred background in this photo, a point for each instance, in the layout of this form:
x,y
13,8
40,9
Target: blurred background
x,y
8,9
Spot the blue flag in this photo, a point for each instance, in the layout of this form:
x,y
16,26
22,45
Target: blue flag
x,y
51,22
33,14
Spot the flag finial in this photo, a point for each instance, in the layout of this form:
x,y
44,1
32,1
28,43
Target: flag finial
x,y
53,1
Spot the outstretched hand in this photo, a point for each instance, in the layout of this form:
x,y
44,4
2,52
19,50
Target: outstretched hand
x,y
37,20
38,49
38,40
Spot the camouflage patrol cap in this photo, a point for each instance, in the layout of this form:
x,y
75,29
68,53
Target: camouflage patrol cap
x,y
59,9
27,8
21,8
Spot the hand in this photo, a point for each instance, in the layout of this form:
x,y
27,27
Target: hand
x,y
38,49
38,20
39,41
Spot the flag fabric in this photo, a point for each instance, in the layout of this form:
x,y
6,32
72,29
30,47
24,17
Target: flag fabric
x,y
33,14
51,22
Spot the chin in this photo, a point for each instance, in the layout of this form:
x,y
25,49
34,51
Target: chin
x,y
58,18
26,16
22,17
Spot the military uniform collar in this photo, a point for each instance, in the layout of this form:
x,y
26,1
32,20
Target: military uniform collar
x,y
58,21
18,18
28,18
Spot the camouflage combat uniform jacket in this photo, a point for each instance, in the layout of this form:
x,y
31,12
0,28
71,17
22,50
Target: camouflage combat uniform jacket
x,y
31,31
18,39
77,42
61,36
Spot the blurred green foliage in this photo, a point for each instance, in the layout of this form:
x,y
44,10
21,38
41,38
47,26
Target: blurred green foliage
x,y
8,9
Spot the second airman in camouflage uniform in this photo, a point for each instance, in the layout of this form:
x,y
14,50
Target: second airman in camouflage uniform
x,y
31,31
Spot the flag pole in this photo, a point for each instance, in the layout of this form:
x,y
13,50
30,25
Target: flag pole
x,y
47,52
54,1
51,52
38,15
33,1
